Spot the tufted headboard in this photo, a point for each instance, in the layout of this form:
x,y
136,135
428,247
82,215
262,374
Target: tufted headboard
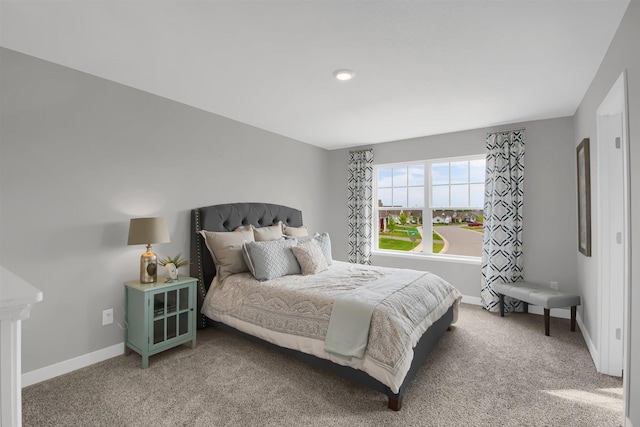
x,y
228,217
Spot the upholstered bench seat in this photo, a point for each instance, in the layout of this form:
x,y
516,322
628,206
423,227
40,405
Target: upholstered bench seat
x,y
538,295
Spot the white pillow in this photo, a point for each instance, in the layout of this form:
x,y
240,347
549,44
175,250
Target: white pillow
x,y
310,257
295,231
226,250
324,242
264,234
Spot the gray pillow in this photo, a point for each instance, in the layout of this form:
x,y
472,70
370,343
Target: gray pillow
x,y
271,259
310,257
226,250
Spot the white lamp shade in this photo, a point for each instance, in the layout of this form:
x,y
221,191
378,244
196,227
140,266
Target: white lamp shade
x,y
144,231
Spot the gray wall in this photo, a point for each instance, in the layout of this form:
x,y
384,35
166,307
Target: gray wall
x,y
549,203
81,155
623,54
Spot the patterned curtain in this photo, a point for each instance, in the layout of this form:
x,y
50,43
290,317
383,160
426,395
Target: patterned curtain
x,y
360,205
502,237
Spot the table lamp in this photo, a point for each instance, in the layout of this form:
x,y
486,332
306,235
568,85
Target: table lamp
x,y
145,231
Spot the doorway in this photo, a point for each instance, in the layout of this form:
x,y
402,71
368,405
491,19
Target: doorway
x,y
613,233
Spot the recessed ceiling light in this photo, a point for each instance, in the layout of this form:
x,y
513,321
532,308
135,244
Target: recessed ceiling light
x,y
343,74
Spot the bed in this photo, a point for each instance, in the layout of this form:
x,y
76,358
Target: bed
x,y
240,303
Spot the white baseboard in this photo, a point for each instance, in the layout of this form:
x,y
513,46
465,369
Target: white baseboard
x,y
627,422
70,365
593,350
471,300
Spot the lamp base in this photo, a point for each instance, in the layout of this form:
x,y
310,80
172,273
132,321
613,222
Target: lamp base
x,y
148,267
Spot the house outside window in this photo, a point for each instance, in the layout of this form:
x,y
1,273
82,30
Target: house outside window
x,y
430,207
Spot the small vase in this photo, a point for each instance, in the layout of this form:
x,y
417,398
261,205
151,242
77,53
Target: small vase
x,y
171,271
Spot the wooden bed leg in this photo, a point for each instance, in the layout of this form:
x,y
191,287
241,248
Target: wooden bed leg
x,y
501,305
573,318
449,328
395,404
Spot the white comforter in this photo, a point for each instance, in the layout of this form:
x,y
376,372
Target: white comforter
x,y
294,312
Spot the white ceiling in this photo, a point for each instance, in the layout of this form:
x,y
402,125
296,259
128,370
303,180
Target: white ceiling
x,y
422,67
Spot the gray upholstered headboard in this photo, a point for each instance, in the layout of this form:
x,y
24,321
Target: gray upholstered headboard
x,y
228,217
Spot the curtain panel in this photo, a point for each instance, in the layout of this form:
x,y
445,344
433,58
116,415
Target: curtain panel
x,y
502,257
360,203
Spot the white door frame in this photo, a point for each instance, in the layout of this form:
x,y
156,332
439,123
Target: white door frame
x,y
614,103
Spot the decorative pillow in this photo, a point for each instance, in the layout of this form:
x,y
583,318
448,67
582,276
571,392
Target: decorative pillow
x,y
324,242
226,250
310,257
246,227
264,234
296,231
271,259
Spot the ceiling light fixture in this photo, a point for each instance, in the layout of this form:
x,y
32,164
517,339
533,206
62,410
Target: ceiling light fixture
x,y
344,74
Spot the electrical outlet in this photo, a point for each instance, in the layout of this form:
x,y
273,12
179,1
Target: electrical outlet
x,y
553,285
107,317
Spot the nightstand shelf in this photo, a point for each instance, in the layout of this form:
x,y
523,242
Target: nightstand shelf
x,y
159,316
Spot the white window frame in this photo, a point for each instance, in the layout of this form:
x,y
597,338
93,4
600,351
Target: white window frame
x,y
427,212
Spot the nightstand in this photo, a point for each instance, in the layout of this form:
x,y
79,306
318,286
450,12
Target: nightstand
x,y
159,316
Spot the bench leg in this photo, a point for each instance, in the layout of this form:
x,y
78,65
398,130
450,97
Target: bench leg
x,y
546,321
525,307
573,318
501,305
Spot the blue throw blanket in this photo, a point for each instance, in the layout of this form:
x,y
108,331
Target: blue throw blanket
x,y
348,332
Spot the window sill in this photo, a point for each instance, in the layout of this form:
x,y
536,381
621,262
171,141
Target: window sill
x,y
459,259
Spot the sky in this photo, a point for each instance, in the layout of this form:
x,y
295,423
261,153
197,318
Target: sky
x,y
458,184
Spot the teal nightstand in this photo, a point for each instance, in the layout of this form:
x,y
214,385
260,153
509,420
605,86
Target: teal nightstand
x,y
159,316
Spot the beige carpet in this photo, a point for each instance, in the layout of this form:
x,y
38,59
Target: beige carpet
x,y
487,371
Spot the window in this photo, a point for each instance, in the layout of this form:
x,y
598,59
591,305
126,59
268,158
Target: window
x,y
450,223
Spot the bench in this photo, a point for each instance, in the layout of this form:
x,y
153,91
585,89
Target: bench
x,y
538,295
